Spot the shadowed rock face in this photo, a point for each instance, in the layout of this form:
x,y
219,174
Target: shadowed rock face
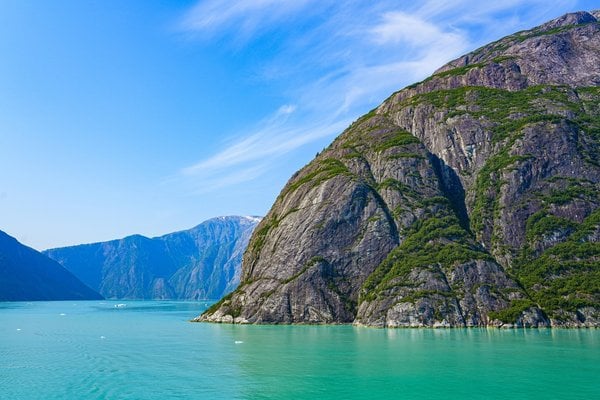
x,y
201,263
468,199
27,275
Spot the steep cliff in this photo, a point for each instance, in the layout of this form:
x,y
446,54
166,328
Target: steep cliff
x,y
199,263
468,199
27,275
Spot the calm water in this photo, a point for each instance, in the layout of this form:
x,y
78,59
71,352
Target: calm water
x,y
148,350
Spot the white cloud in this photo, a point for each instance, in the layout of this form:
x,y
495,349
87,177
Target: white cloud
x,y
250,156
349,60
396,50
286,109
212,182
243,17
398,27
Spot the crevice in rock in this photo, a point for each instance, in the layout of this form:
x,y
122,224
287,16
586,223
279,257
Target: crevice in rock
x,y
384,207
452,188
454,298
388,214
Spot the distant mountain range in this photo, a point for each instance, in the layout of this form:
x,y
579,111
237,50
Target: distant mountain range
x,y
28,275
200,263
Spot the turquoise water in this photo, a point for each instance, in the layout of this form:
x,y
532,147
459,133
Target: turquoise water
x,y
148,350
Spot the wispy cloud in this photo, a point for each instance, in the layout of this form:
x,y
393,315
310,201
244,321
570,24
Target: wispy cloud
x,y
394,49
346,59
206,182
399,27
245,18
250,156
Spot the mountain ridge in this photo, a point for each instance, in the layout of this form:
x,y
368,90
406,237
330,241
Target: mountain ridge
x,y
197,263
28,275
468,199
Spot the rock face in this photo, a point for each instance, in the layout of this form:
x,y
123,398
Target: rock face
x,y
201,263
468,199
27,275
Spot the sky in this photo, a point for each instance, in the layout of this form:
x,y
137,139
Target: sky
x,y
148,117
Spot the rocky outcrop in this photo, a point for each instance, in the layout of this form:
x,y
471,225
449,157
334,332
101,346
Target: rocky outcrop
x,y
27,275
200,263
468,199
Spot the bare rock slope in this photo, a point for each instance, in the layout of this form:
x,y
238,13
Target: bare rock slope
x,y
468,199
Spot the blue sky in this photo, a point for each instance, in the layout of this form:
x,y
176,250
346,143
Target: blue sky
x,y
121,117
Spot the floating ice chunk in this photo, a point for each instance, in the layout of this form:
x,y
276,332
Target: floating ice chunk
x,y
103,337
18,329
239,342
62,314
120,305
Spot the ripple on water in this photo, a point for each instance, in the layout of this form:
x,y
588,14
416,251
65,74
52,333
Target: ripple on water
x,y
148,350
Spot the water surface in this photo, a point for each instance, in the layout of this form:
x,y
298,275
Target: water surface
x,y
149,350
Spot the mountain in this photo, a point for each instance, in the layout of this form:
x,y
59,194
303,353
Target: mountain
x,y
27,275
468,199
199,263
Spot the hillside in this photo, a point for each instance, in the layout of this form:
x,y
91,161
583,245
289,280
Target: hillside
x,y
468,199
27,275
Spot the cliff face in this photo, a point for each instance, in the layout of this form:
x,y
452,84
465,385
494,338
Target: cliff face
x,y
468,199
200,263
27,275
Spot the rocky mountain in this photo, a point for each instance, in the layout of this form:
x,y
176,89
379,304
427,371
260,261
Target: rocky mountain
x,y
27,275
200,263
468,199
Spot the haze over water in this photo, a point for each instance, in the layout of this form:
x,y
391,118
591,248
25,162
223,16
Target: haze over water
x,y
149,350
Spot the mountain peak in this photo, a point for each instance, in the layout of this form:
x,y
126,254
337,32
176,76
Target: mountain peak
x,y
563,51
569,19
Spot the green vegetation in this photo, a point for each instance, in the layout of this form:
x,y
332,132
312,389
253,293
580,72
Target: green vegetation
x,y
508,111
508,114
258,239
436,200
569,270
313,261
521,37
542,223
269,223
567,275
398,138
512,312
353,154
394,184
589,122
590,225
458,71
487,187
400,155
438,240
218,304
324,170
575,189
419,294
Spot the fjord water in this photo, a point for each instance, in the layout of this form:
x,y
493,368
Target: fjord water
x,y
149,350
